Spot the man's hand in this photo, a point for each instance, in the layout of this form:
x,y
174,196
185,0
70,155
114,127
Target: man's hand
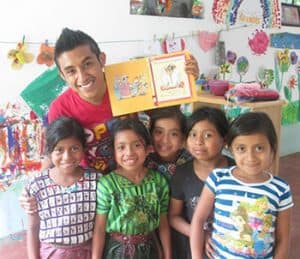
x,y
191,67
28,203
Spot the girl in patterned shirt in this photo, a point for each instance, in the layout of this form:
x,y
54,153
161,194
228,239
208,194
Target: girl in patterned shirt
x,y
132,201
65,195
167,129
251,207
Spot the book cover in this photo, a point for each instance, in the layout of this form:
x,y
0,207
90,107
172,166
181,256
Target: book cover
x,y
149,83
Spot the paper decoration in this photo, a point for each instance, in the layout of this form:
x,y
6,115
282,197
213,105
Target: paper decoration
x,y
285,40
19,55
46,55
231,57
21,143
197,9
262,13
207,40
173,45
293,57
259,42
148,83
42,90
224,69
242,66
265,76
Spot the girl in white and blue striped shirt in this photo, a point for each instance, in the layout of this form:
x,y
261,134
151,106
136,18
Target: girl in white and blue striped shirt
x,y
251,207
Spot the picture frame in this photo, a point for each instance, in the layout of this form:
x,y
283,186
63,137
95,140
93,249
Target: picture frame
x,y
290,15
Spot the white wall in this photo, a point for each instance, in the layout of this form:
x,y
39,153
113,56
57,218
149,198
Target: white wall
x,y
121,35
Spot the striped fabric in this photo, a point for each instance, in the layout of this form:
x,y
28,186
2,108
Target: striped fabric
x,y
245,214
132,208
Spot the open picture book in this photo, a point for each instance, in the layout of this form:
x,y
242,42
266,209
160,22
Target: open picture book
x,y
148,83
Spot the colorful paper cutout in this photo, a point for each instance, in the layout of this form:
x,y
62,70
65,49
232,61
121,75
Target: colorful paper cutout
x,y
173,45
19,55
285,40
231,12
46,55
231,57
207,40
242,66
259,42
21,143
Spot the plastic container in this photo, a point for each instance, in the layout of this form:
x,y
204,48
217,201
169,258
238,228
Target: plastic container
x,y
218,87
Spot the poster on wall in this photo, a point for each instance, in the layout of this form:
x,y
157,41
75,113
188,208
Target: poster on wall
x,y
149,83
262,13
183,9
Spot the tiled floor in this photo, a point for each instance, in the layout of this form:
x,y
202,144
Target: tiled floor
x,y
15,247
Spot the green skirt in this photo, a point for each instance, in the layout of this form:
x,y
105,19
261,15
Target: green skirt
x,y
118,250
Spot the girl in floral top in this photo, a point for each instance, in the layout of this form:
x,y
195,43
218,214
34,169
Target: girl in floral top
x,y
132,201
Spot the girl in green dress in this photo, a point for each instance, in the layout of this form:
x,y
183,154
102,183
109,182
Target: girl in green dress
x,y
132,201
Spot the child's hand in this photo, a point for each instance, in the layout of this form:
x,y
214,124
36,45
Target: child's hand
x,y
191,67
208,245
28,203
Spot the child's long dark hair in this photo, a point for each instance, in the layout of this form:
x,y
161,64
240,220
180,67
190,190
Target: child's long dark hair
x,y
252,123
63,128
172,112
131,124
213,115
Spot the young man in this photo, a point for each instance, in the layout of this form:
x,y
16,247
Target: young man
x,y
81,64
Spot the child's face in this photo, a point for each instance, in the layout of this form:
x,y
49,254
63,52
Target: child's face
x,y
67,155
82,70
167,138
252,153
130,150
204,141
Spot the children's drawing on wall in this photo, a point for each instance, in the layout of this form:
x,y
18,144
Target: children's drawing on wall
x,y
21,147
171,8
262,13
287,83
126,87
265,76
259,42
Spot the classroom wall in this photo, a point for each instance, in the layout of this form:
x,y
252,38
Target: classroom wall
x,y
120,35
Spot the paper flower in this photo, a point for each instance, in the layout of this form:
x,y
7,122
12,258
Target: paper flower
x,y
19,56
46,55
